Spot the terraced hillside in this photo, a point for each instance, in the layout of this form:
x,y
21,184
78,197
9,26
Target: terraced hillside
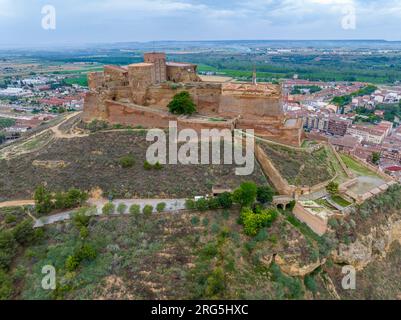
x,y
304,168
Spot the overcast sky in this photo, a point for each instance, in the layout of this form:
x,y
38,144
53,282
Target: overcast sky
x,y
87,21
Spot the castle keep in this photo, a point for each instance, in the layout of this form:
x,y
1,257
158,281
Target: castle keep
x,y
138,94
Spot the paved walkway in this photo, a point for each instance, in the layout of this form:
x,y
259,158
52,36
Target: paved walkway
x,y
172,205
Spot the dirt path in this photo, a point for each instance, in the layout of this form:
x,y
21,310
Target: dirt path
x,y
17,203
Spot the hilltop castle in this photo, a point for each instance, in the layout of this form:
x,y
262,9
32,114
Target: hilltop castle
x,y
138,95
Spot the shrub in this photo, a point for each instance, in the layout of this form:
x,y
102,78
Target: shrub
x,y
182,103
333,188
72,263
158,166
127,161
122,208
310,283
225,200
81,218
215,283
254,222
147,210
135,210
6,288
43,200
213,204
245,195
109,208
202,204
161,206
190,204
265,194
84,232
86,252
75,198
24,232
10,218
195,221
147,165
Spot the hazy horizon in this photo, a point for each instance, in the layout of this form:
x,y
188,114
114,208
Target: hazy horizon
x,y
79,22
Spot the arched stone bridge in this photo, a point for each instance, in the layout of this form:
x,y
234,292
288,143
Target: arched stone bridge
x,y
282,201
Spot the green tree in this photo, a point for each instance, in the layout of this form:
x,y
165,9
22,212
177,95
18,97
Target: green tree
x,y
43,200
182,103
147,210
109,208
122,208
161,206
24,232
376,157
246,194
127,161
265,194
135,210
333,188
226,200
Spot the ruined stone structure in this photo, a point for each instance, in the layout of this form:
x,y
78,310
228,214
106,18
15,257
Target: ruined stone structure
x,y
138,94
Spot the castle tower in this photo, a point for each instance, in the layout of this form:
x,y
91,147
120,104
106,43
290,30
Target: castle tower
x,y
159,61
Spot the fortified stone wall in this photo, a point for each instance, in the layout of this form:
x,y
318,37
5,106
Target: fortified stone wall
x,y
115,76
182,74
250,107
95,80
316,223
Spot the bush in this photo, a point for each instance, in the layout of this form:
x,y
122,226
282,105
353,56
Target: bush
x,y
84,232
254,222
202,204
135,210
190,204
195,221
81,218
215,283
86,252
109,208
147,210
72,263
6,288
225,200
310,283
246,194
10,218
75,198
122,208
147,165
182,103
214,204
43,200
158,166
127,161
160,207
333,188
265,194
24,233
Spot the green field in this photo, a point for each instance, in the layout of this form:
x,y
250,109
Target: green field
x,y
356,167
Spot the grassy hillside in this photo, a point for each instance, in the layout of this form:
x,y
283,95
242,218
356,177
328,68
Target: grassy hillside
x,y
94,161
